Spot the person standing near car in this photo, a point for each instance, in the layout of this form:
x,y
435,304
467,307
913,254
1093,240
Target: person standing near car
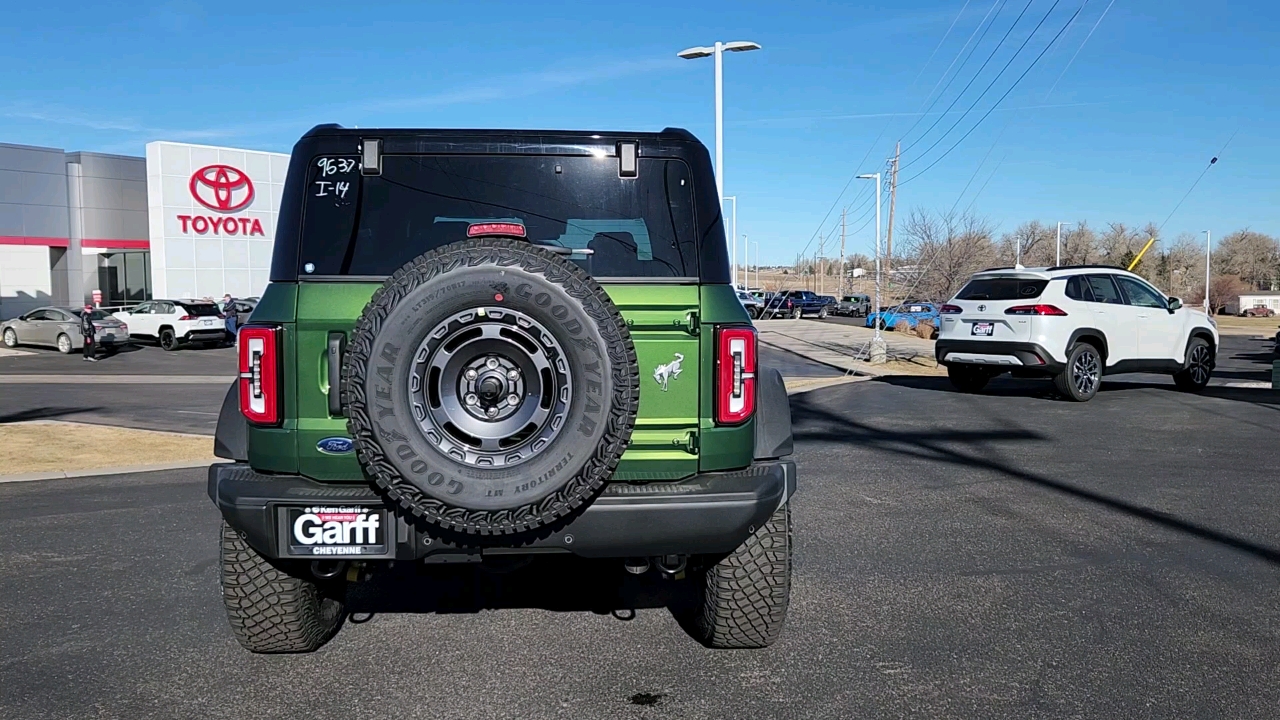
x,y
88,330
229,310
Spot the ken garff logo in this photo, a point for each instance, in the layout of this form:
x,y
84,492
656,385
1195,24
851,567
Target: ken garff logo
x,y
667,372
335,445
222,188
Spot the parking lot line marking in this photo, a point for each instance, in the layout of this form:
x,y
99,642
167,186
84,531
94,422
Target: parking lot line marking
x,y
116,379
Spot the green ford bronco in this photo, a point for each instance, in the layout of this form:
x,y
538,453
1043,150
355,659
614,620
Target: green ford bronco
x,y
480,343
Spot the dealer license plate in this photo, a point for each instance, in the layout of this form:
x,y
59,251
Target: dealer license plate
x,y
983,328
335,531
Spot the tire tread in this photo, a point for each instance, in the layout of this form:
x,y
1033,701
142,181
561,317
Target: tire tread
x,y
269,610
745,596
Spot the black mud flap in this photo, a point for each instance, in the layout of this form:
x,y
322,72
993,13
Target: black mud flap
x,y
231,439
773,416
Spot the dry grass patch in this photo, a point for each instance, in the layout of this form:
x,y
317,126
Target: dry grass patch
x,y
50,446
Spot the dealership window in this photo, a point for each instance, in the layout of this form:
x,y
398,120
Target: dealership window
x,y
124,277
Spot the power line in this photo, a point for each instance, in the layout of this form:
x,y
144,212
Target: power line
x,y
1077,53
995,79
1002,97
975,75
1212,162
1013,116
938,47
984,185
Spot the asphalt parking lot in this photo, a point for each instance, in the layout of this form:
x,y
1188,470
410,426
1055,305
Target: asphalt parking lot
x,y
142,387
998,555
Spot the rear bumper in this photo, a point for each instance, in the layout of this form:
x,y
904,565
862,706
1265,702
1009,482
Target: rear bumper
x,y
706,514
206,334
997,354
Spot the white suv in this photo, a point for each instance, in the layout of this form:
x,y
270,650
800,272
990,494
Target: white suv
x,y
173,322
1074,324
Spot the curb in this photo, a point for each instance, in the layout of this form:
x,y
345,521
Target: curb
x,y
127,470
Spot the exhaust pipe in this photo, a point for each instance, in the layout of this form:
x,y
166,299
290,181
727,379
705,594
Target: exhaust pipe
x,y
636,566
327,569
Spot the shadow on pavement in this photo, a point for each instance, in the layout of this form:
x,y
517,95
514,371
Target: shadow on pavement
x,y
43,413
813,423
562,584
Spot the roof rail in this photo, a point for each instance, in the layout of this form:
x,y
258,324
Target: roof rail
x,y
1086,267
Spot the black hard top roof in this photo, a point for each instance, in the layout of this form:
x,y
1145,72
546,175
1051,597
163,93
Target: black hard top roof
x,y
333,129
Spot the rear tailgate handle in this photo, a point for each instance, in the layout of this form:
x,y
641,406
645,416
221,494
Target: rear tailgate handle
x,y
337,344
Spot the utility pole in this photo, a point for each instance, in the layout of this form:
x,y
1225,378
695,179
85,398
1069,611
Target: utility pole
x,y
822,242
843,212
893,201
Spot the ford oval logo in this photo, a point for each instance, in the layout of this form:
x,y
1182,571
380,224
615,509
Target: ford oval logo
x,y
335,446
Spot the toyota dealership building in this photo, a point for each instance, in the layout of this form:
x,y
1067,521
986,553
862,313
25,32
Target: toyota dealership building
x,y
186,221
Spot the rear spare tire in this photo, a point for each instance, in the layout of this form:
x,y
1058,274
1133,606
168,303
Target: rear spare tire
x,y
491,387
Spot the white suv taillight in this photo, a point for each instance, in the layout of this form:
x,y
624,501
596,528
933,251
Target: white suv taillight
x,y
260,374
735,374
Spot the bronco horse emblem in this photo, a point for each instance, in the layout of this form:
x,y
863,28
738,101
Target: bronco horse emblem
x,y
667,372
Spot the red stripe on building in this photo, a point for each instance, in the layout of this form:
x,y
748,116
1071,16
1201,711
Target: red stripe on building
x,y
100,244
116,244
45,241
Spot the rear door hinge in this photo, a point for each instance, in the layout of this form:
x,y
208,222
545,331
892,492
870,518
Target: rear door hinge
x,y
690,442
691,322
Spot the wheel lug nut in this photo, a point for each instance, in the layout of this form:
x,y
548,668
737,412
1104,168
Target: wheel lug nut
x,y
512,399
513,375
472,399
471,374
492,363
491,412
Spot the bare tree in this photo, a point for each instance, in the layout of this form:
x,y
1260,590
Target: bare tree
x,y
943,251
1254,257
1224,291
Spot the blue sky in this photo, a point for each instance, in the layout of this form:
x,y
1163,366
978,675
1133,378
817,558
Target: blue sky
x,y
1157,90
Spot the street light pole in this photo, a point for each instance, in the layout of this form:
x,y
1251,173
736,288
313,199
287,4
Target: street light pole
x,y
1208,254
877,340
733,241
717,51
1057,246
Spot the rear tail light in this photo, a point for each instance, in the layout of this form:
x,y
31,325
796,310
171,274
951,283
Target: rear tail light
x,y
950,309
1036,310
735,374
260,374
187,317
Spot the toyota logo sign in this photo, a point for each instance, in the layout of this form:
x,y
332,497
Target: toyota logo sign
x,y
222,188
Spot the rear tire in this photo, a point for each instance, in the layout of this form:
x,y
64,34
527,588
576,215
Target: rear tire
x,y
1195,376
967,379
796,313
270,610
744,597
1080,379
168,340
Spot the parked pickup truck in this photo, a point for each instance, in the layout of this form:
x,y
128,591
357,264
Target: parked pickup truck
x,y
795,304
853,306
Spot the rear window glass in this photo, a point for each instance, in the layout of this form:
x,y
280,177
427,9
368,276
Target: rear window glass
x,y
1002,289
93,314
633,227
200,310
